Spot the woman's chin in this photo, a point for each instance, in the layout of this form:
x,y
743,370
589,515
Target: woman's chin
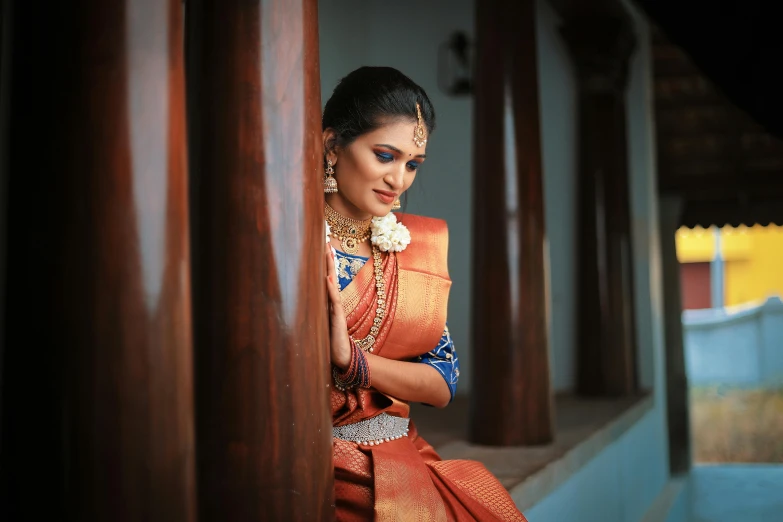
x,y
378,209
382,211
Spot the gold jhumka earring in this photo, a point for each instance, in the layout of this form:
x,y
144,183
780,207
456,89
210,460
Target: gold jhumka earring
x,y
330,184
396,205
419,133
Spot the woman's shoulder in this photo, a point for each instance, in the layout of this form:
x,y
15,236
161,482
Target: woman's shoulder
x,y
429,246
423,224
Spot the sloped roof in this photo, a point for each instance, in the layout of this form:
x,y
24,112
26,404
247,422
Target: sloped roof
x,y
737,44
725,165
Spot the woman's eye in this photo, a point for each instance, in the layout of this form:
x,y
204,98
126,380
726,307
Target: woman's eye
x,y
384,157
412,165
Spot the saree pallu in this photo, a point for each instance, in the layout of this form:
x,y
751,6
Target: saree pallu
x,y
405,479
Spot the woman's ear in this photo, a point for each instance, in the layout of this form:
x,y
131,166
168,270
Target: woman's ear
x,y
330,148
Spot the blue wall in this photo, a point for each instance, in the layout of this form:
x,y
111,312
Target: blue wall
x,y
742,347
621,483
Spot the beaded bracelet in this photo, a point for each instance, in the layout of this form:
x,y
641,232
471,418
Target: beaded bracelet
x,y
357,373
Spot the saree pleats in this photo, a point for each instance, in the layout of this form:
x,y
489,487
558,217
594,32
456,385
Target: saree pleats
x,y
353,482
403,488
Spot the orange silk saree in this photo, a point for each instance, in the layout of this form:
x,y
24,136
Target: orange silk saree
x,y
405,479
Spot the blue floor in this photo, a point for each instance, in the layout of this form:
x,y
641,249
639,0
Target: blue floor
x,y
737,493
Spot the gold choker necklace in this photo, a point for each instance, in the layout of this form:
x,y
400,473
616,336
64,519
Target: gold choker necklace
x,y
350,232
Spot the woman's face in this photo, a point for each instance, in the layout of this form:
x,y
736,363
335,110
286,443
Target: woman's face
x,y
374,170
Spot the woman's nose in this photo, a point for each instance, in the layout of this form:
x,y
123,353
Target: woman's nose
x,y
396,178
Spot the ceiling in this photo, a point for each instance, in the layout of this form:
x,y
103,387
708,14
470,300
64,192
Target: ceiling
x,y
718,104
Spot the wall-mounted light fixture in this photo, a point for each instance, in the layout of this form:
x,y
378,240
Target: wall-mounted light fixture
x,y
455,65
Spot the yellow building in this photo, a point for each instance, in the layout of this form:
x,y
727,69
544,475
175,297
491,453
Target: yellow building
x,y
752,259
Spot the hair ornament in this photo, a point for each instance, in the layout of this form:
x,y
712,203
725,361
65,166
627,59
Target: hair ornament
x,y
419,133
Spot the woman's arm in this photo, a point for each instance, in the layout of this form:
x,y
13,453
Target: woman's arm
x,y
409,381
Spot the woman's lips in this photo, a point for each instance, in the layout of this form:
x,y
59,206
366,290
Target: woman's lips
x,y
386,197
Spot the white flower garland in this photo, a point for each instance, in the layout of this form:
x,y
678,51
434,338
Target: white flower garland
x,y
386,233
389,235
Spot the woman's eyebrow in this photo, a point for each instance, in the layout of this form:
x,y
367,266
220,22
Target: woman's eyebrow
x,y
395,149
398,151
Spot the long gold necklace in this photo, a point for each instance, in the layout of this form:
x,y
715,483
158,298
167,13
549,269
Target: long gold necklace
x,y
368,343
350,232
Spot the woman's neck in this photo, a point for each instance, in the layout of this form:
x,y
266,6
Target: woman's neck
x,y
346,208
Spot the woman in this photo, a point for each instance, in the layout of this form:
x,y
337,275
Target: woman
x,y
388,287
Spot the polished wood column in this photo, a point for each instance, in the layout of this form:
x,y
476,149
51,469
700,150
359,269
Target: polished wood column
x,y
98,389
511,402
677,399
601,43
264,427
5,77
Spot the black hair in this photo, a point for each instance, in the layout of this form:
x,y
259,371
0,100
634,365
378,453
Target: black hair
x,y
370,96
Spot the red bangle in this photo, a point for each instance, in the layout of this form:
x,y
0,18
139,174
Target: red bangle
x,y
357,373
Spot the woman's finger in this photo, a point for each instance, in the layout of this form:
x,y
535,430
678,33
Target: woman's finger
x,y
327,255
333,291
330,268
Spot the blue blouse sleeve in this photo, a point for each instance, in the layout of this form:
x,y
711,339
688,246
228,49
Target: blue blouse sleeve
x,y
444,359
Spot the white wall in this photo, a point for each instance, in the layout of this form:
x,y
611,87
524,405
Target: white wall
x,y
558,105
355,33
622,482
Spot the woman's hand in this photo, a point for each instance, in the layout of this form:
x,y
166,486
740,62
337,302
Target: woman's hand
x,y
338,327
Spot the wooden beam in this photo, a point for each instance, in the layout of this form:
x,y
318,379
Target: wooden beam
x,y
601,43
264,427
98,389
512,399
5,80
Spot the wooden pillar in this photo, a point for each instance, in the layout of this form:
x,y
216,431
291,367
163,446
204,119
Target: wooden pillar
x,y
264,428
601,43
98,390
5,77
677,400
511,403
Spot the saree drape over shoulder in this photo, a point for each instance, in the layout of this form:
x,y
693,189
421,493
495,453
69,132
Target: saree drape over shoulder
x,y
405,479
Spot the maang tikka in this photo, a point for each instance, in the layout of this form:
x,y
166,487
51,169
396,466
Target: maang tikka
x,y
419,133
330,184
